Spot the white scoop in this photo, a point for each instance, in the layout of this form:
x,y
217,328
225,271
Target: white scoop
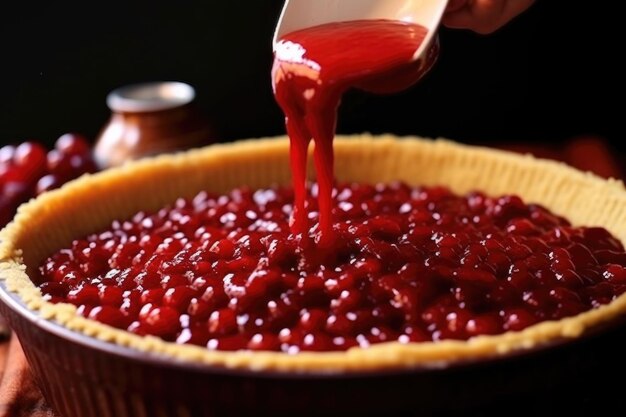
x,y
301,14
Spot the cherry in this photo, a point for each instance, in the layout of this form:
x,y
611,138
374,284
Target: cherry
x,y
30,157
518,319
160,321
47,183
7,153
110,315
179,297
264,341
222,322
85,294
60,164
111,295
16,191
72,144
57,289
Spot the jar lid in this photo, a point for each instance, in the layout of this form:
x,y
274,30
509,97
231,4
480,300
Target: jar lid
x,y
152,96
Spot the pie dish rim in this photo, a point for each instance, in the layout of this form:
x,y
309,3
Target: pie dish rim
x,y
391,356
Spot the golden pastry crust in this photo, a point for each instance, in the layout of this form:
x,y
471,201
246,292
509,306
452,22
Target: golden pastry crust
x,y
92,202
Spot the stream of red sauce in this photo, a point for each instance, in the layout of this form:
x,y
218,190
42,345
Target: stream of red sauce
x,y
312,69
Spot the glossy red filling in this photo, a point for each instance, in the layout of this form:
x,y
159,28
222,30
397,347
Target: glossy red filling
x,y
407,264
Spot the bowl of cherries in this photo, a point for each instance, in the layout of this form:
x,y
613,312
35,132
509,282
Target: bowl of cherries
x,y
29,169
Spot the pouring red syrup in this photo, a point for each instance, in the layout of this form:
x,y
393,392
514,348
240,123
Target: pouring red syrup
x,y
313,67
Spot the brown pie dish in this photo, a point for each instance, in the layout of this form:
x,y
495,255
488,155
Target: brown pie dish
x,y
86,367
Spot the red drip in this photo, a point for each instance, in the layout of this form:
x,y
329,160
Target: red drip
x,y
312,69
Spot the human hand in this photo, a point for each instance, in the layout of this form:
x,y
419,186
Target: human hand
x,y
483,16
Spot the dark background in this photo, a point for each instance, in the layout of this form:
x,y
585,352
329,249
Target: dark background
x,y
551,75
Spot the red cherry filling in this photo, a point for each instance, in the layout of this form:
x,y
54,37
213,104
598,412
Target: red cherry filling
x,y
407,264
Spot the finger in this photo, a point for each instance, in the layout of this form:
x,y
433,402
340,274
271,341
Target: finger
x,y
485,16
455,5
501,11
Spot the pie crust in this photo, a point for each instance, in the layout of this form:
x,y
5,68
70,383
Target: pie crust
x,y
90,204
